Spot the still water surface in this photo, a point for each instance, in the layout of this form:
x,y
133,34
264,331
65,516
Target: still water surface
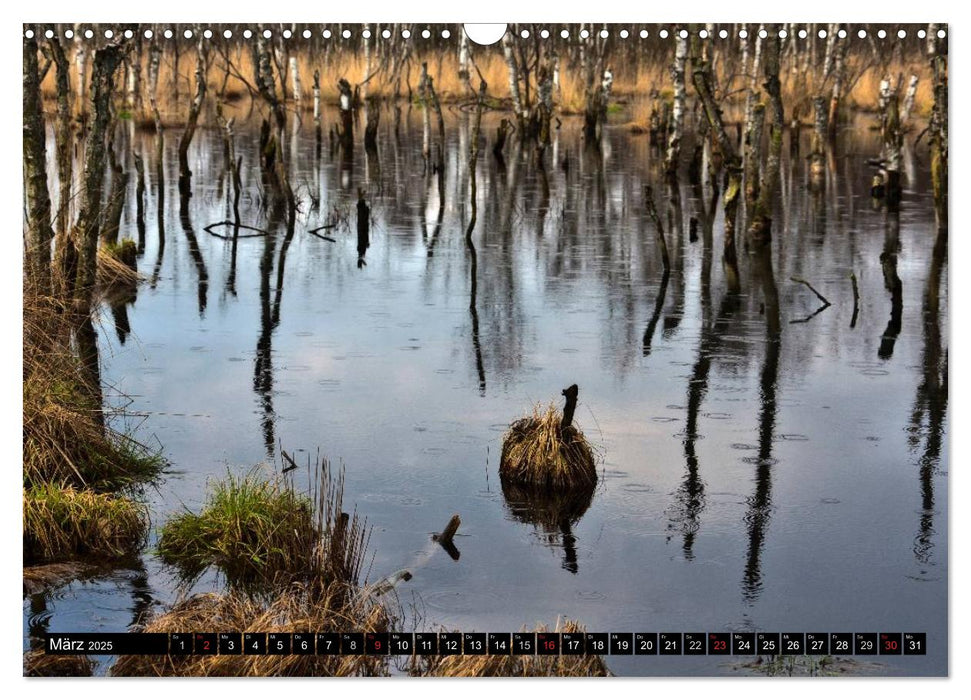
x,y
751,481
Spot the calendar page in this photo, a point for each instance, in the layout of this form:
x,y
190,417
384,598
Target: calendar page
x,y
403,349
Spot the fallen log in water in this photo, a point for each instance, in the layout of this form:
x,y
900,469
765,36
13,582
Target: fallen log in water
x,y
261,232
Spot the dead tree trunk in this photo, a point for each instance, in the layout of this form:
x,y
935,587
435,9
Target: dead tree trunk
x,y
938,139
345,129
275,144
513,67
673,156
464,76
436,105
317,131
839,72
185,174
65,250
106,61
569,408
909,98
81,60
135,76
295,79
116,199
817,156
760,229
753,155
39,230
373,113
701,77
892,142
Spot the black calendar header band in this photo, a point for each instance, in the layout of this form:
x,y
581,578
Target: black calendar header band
x,y
491,643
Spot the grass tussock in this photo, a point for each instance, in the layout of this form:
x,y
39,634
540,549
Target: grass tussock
x,y
534,451
60,519
79,475
324,592
250,529
116,265
38,664
300,608
513,666
261,534
65,439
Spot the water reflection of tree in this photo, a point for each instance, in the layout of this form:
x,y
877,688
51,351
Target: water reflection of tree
x,y
690,499
930,405
891,280
554,515
269,320
195,253
759,503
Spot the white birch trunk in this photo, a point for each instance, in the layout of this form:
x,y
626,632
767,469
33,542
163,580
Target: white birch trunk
x,y
295,79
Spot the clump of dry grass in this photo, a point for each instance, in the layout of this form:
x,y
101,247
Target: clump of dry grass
x,y
535,451
39,664
78,473
300,608
61,520
513,666
65,440
116,265
324,591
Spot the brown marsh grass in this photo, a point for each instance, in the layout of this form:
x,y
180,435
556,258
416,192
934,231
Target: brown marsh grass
x,y
534,451
60,520
513,666
635,80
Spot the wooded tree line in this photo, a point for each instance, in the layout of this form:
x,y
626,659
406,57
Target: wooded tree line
x,y
738,94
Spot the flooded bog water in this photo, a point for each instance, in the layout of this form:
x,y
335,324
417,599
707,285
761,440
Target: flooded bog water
x,y
765,464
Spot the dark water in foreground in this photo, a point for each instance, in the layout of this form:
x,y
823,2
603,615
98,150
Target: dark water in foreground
x,y
795,484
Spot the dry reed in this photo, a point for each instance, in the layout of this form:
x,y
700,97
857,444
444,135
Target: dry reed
x,y
60,520
535,451
513,666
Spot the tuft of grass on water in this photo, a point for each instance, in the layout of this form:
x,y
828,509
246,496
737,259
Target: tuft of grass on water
x,y
534,451
61,521
325,548
250,528
260,534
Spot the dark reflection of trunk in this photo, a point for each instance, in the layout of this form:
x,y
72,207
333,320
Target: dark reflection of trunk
x,y
119,303
474,264
690,496
760,502
231,277
281,266
263,369
554,515
930,406
363,230
891,280
142,600
672,319
655,317
86,338
159,208
194,253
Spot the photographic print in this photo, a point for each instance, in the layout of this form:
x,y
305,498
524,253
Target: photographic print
x,y
393,350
